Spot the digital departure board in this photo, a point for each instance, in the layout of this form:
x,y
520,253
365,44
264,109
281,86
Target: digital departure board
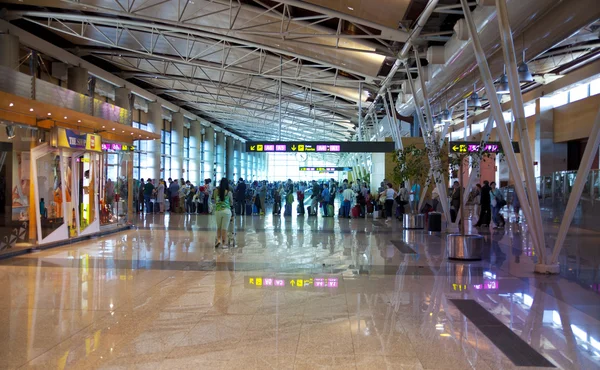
x,y
470,147
320,147
325,169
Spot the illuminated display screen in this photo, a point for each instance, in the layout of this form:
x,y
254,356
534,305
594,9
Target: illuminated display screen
x,y
325,169
321,147
471,147
270,282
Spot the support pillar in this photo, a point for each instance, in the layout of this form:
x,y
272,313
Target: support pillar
x,y
209,153
237,147
220,150
123,98
196,168
155,125
230,160
9,51
77,80
177,146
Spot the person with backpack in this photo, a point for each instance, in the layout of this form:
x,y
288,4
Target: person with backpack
x,y
223,203
325,197
497,202
402,200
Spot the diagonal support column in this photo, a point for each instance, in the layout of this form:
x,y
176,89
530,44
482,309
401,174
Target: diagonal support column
x,y
430,142
518,111
501,128
580,179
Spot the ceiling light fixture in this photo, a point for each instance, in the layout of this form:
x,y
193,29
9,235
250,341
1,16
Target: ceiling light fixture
x,y
79,120
446,116
49,114
31,109
11,104
502,87
65,117
350,8
523,71
474,101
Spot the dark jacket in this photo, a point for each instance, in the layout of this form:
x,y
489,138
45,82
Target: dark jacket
x,y
240,192
485,195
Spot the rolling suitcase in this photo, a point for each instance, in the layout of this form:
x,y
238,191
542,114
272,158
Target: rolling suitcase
x,y
434,223
355,212
330,210
248,209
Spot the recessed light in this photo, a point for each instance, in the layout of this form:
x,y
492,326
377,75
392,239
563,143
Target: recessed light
x,y
123,131
113,129
11,104
79,120
103,126
31,109
49,114
132,133
350,8
140,135
65,117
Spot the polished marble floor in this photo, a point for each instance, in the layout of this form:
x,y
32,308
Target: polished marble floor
x,y
297,293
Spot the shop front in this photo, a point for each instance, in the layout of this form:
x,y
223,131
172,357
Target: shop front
x,y
66,185
116,163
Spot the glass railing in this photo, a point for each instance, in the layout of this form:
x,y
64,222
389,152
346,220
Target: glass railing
x,y
558,186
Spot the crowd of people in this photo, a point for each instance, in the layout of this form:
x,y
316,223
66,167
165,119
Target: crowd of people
x,y
355,199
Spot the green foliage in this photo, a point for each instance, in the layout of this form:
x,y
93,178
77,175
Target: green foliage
x,y
411,165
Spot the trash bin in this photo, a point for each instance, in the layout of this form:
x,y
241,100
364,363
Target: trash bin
x,y
434,223
413,221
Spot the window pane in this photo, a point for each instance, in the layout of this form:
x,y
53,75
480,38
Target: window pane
x,y
595,87
578,93
560,99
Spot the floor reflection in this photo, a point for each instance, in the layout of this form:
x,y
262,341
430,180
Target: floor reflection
x,y
296,292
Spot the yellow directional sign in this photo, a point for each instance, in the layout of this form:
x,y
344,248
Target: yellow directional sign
x,y
300,147
252,148
259,148
293,148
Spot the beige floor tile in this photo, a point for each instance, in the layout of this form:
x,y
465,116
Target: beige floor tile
x,y
368,362
330,362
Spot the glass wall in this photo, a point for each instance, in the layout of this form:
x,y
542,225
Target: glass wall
x,y
166,151
283,166
141,157
114,192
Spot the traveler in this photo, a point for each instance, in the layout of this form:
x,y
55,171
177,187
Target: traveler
x,y
240,196
160,196
476,199
141,196
389,195
486,211
173,196
497,202
347,196
455,200
148,189
402,200
325,196
223,202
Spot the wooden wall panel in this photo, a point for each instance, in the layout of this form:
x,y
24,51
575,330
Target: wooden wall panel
x,y
574,121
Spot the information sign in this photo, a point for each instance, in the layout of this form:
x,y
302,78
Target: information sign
x,y
320,147
325,169
471,147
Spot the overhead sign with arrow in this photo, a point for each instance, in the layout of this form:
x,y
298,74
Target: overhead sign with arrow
x,y
321,147
472,147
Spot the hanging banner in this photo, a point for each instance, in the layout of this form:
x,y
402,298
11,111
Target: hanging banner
x,y
74,140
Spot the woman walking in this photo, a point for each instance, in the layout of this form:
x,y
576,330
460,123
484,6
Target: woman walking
x,y
390,195
223,202
497,202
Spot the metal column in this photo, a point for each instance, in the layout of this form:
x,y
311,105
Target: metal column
x,y
229,159
209,153
177,170
155,125
519,115
488,81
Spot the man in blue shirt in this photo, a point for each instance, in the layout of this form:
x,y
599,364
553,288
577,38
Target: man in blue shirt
x,y
325,196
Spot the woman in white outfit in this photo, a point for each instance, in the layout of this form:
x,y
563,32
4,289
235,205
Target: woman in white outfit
x,y
160,196
223,198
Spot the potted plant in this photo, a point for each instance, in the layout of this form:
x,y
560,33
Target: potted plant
x,y
412,168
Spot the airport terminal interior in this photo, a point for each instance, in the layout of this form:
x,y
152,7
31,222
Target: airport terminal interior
x,y
300,184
